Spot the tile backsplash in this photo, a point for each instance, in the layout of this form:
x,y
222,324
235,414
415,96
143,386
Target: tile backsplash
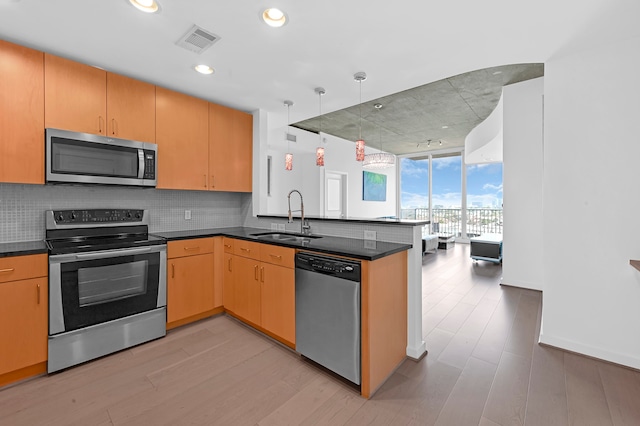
x,y
22,210
22,207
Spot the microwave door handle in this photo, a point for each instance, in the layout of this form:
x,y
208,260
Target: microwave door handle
x,y
140,164
114,253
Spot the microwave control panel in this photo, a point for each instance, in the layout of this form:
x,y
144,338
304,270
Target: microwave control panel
x,y
149,164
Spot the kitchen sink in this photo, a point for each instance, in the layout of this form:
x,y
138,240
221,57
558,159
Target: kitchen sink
x,y
285,237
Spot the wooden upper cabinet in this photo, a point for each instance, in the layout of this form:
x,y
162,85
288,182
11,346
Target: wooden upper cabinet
x,y
86,99
75,96
182,132
21,114
230,150
131,108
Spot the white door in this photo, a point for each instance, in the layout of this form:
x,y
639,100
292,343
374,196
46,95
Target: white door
x,y
335,193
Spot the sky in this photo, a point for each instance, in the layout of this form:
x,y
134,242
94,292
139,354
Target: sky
x,y
484,183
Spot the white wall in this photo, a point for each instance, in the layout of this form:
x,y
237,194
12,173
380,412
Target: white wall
x,y
340,156
308,178
522,184
591,299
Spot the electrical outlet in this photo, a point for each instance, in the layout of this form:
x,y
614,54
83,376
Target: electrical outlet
x,y
370,235
281,227
187,215
274,226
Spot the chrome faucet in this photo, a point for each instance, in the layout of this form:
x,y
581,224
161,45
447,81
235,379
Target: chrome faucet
x,y
305,229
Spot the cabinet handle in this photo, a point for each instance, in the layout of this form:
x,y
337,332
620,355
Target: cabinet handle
x,y
230,259
262,274
192,248
213,181
173,270
276,256
100,124
245,249
7,270
255,272
205,181
113,127
38,294
227,245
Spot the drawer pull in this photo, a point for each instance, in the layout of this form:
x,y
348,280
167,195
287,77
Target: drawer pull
x,y
38,294
245,249
7,270
192,248
276,256
227,245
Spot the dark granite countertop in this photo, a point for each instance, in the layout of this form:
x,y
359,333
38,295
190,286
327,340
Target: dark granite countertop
x,y
379,220
350,247
23,248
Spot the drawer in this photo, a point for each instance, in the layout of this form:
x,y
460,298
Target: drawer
x,y
184,248
22,267
248,249
228,244
277,255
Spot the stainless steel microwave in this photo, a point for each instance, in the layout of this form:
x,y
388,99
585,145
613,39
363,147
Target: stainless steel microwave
x,y
73,157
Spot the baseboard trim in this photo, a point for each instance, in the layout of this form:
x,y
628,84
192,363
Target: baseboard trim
x,y
521,284
590,351
417,353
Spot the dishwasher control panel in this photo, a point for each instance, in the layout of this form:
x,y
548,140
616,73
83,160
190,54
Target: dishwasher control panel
x,y
342,268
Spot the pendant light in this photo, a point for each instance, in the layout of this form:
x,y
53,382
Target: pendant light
x,y
320,149
360,77
379,160
288,157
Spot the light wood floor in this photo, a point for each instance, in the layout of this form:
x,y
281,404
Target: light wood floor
x,y
484,367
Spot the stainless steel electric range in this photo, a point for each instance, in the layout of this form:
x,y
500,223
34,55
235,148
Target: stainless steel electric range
x,y
107,283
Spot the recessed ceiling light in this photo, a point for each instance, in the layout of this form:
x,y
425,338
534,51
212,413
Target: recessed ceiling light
x,y
497,72
203,69
148,6
274,17
445,127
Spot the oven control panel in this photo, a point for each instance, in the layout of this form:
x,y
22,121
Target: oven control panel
x,y
73,217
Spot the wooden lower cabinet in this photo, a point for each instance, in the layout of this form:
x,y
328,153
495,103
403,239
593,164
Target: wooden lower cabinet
x,y
247,289
23,317
190,280
278,301
258,291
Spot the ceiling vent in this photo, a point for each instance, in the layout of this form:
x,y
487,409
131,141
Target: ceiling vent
x,y
197,39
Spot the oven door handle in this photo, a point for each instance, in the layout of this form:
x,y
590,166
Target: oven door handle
x,y
112,253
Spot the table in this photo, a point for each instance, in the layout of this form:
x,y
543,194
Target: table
x,y
487,247
445,240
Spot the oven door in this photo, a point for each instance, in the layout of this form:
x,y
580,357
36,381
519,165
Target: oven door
x,y
96,287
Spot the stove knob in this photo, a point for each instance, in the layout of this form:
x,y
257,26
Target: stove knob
x,y
138,215
73,215
129,215
60,217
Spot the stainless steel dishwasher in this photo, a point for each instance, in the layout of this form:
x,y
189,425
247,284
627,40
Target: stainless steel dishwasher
x,y
328,313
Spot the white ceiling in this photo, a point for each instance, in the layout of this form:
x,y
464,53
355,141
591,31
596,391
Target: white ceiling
x,y
400,45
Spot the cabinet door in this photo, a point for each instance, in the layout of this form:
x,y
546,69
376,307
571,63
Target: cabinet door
x,y
278,301
182,128
75,96
247,288
21,114
131,108
189,286
229,277
230,149
23,323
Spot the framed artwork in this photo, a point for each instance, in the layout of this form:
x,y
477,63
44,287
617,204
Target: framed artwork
x,y
374,186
